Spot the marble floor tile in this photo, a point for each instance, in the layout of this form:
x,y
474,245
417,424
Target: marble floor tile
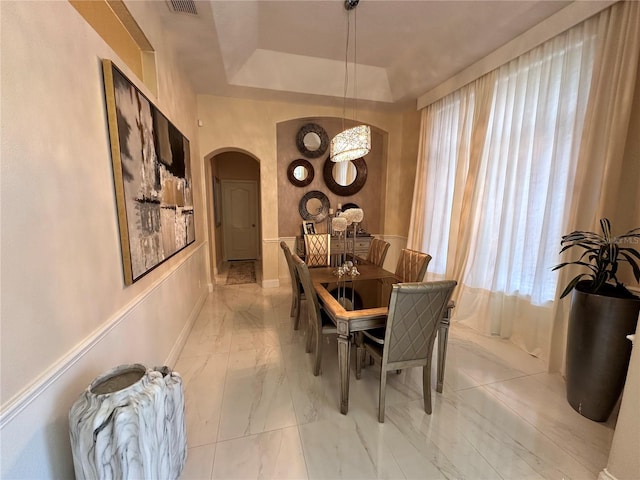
x,y
256,394
199,463
514,446
203,379
351,453
255,410
210,334
270,455
540,399
252,339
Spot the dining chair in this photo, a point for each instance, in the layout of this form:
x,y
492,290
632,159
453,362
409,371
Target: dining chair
x,y
297,295
377,252
319,324
415,311
412,265
317,249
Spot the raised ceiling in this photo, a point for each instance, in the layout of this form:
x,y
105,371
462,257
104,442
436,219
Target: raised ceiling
x,y
295,50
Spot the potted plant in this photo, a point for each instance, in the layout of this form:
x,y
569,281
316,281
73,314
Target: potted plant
x,y
603,312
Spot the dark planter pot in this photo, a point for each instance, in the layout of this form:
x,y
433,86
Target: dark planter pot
x,y
598,351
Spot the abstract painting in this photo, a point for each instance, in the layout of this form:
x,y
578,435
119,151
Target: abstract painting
x,y
152,176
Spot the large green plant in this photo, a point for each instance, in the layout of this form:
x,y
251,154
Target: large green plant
x,y
601,256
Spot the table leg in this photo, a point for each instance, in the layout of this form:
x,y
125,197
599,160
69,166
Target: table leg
x,y
443,337
344,358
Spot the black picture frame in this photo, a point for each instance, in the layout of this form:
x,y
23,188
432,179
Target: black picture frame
x,y
308,228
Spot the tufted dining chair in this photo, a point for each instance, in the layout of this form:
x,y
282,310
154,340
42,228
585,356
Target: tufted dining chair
x,y
319,324
317,249
297,295
415,311
412,265
377,251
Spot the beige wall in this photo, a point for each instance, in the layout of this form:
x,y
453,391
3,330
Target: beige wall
x,y
237,166
250,126
66,314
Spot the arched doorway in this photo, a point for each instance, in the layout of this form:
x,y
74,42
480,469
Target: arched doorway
x,y
233,209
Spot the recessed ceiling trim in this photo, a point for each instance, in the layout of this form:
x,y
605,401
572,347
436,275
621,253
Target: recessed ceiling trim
x,y
288,72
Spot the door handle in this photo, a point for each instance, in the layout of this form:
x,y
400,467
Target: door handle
x,y
253,225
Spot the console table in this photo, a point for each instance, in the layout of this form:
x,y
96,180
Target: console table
x,y
337,246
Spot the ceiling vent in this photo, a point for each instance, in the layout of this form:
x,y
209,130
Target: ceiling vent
x,y
183,6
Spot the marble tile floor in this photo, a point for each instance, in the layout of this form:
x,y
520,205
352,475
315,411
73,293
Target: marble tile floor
x,y
255,411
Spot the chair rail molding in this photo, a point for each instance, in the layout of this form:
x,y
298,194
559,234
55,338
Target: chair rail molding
x,y
15,405
606,475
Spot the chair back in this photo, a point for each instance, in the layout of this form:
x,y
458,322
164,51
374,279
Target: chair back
x,y
313,305
293,272
377,252
415,310
412,265
317,249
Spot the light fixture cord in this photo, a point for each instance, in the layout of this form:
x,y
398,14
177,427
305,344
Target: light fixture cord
x,y
346,69
355,64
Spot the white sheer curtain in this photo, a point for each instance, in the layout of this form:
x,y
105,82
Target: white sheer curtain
x,y
602,187
495,174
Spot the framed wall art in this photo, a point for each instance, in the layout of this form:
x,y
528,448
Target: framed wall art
x,y
152,176
308,228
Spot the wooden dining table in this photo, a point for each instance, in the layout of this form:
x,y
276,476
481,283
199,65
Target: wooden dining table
x,y
366,298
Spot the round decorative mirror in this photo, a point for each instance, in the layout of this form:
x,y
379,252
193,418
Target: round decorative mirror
x,y
345,180
300,172
312,140
344,173
314,206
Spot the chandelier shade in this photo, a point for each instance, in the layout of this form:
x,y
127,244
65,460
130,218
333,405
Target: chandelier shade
x,y
351,144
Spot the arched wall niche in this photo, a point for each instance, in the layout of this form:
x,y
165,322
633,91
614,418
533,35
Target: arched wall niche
x,y
370,198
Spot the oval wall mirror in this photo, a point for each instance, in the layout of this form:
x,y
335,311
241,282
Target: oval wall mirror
x,y
300,172
347,180
312,140
314,206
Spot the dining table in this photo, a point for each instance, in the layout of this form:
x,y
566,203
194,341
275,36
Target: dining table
x,y
360,302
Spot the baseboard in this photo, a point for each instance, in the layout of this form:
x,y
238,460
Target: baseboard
x,y
606,475
273,283
184,334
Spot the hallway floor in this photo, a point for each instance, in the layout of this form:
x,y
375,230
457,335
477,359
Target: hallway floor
x,y
254,409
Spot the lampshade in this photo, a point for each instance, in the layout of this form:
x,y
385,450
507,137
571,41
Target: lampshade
x,y
351,144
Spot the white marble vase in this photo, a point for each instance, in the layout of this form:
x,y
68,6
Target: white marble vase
x,y
129,424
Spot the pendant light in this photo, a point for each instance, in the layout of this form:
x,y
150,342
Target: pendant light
x,y
352,143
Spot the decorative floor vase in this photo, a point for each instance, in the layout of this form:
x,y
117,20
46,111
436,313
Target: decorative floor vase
x,y
129,424
598,352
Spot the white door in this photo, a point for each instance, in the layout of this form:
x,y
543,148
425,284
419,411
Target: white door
x,y
239,219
